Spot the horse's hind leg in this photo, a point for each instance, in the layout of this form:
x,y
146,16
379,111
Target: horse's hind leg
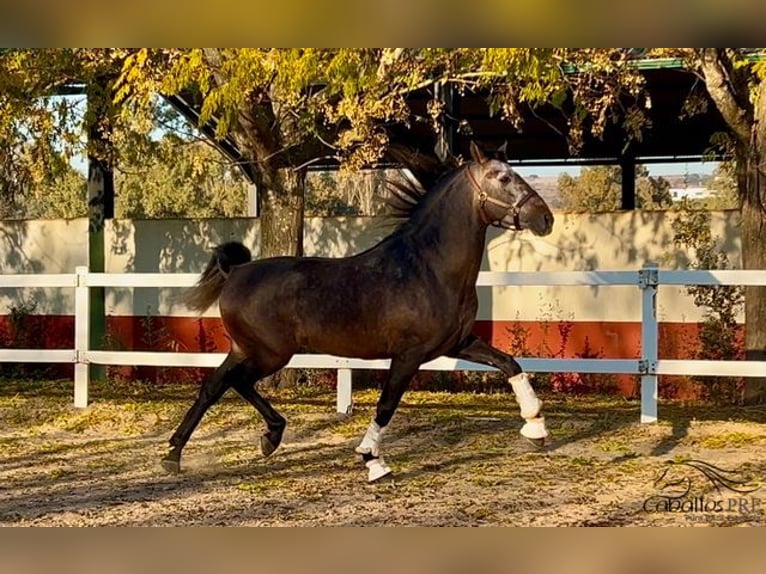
x,y
475,349
211,391
275,422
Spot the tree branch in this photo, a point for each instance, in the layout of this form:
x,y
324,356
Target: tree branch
x,y
251,133
723,93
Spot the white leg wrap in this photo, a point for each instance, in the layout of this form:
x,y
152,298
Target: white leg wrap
x,y
377,468
525,396
534,428
371,442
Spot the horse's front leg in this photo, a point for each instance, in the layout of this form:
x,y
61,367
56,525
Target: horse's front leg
x,y
399,378
475,349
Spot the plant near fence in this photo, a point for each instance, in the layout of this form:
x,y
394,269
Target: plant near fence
x,y
155,336
720,337
555,340
111,342
22,331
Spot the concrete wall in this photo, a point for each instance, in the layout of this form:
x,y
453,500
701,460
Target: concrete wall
x,y
56,246
609,241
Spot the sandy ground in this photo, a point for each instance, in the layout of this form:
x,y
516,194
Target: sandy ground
x,y
458,461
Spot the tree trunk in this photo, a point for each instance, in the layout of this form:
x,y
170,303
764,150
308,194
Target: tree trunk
x,y
282,203
752,185
744,109
754,257
100,206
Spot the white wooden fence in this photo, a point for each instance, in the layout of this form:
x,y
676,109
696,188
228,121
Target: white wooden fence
x,y
648,366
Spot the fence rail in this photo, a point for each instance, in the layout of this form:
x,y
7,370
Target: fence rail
x,y
648,365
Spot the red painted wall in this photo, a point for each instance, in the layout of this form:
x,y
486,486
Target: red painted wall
x,y
615,340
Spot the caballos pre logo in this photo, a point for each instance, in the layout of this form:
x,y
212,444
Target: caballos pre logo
x,y
685,487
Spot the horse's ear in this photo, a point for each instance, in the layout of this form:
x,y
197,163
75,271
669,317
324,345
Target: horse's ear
x,y
477,154
502,151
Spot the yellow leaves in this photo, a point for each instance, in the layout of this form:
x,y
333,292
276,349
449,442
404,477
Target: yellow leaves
x,y
759,69
131,73
197,166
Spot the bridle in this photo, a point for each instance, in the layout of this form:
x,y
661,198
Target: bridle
x,y
512,209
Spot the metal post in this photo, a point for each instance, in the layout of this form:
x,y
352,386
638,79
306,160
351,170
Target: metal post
x,y
628,181
446,138
344,402
648,281
81,337
252,201
100,201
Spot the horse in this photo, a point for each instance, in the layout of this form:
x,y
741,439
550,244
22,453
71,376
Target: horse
x,y
411,298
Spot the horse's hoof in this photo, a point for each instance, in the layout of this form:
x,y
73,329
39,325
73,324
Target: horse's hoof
x,y
537,443
171,466
377,469
534,429
267,447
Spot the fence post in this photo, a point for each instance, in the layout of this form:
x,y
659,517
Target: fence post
x,y
81,337
648,278
344,402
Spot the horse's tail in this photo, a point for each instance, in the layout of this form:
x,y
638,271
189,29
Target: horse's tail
x,y
207,290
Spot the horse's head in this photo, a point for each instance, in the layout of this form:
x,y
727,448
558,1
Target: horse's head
x,y
504,199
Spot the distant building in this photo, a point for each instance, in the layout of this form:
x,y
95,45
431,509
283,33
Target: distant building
x,y
679,193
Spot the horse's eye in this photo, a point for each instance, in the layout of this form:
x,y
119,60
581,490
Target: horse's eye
x,y
504,178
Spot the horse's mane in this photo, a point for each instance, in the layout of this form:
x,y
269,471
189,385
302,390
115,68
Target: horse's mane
x,y
423,176
407,195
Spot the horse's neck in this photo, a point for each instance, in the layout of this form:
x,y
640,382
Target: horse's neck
x,y
450,236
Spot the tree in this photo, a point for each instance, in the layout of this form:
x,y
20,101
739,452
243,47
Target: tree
x,y
64,197
30,191
723,183
599,188
595,189
285,108
737,87
180,178
652,192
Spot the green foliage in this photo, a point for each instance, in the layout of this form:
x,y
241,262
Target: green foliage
x,y
598,189
719,335
342,99
595,189
723,183
63,195
176,175
178,178
651,192
345,193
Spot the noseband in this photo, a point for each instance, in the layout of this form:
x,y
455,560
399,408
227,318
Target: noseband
x,y
512,209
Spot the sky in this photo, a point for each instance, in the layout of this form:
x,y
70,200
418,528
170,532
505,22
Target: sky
x,y
655,169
